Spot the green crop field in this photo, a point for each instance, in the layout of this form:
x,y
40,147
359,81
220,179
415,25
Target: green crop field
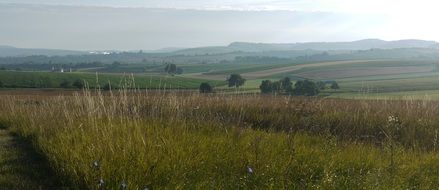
x,y
53,80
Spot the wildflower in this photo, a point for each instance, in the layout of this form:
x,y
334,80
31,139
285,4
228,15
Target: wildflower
x,y
101,182
393,119
96,165
249,170
123,185
197,108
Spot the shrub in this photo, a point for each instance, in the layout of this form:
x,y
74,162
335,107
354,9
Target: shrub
x,y
65,84
79,84
335,86
171,68
109,86
206,88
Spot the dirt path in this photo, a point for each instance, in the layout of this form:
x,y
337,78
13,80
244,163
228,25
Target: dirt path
x,y
21,167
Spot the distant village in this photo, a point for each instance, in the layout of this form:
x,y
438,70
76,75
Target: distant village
x,y
61,70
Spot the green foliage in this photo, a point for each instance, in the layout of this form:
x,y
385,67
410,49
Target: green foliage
x,y
235,80
282,86
53,80
266,87
179,71
109,86
205,88
171,68
66,84
334,85
80,84
286,84
306,88
321,85
1,84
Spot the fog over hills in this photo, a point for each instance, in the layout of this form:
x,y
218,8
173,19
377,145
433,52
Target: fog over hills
x,y
323,46
243,47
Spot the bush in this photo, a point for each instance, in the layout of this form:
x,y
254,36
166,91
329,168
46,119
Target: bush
x,y
206,88
179,71
335,86
79,84
171,68
321,85
109,86
65,84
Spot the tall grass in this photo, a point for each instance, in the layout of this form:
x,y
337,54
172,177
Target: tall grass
x,y
174,140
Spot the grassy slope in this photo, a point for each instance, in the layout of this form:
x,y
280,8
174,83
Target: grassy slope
x,y
209,141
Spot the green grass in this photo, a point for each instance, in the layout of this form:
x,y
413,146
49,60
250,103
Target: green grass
x,y
405,95
53,80
21,167
209,142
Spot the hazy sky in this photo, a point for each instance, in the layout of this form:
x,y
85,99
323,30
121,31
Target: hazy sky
x,y
133,24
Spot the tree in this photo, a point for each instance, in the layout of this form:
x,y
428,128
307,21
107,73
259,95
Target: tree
x,y
266,87
276,87
65,84
115,64
79,84
206,88
335,86
286,85
171,68
1,84
306,88
235,80
179,71
321,85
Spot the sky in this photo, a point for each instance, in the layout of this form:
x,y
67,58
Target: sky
x,y
137,24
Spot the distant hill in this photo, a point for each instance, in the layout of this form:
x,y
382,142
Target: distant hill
x,y
244,47
9,51
321,46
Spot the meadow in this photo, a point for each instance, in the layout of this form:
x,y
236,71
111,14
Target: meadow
x,y
137,139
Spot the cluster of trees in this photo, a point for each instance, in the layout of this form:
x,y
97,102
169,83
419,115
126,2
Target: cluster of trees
x,y
234,80
283,86
301,87
172,69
